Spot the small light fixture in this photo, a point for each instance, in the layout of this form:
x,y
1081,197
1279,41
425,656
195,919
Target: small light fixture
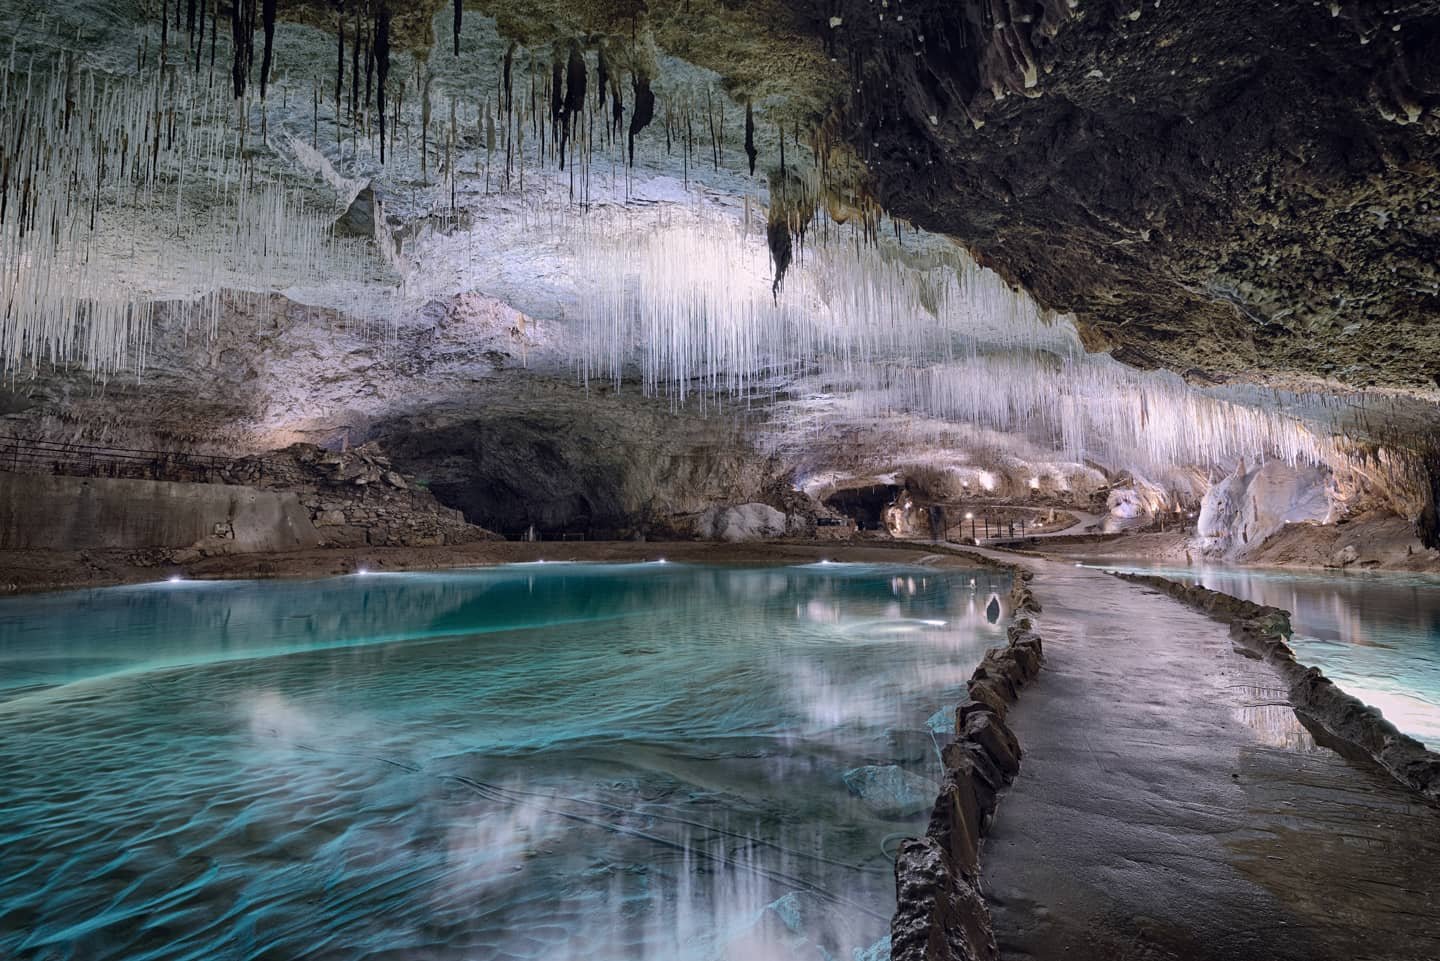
x,y
362,571
175,578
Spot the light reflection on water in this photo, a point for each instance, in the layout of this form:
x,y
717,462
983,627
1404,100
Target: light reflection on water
x,y
577,761
1376,635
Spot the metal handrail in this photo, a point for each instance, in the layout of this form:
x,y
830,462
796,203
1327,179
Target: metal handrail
x,y
29,455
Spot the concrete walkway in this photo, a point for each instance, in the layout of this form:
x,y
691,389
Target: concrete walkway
x,y
1171,806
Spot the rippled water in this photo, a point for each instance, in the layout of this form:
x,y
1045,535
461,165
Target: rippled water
x,y
533,761
1377,635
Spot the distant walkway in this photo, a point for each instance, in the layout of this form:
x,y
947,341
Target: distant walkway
x,y
1170,805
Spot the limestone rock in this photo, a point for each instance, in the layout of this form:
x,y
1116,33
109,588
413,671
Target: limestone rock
x,y
747,522
940,916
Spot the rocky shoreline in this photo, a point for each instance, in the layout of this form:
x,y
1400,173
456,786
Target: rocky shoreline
x,y
1336,719
941,914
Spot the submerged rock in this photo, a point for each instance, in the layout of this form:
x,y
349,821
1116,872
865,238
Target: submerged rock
x,y
942,721
879,951
890,791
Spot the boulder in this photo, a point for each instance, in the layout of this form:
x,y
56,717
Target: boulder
x,y
746,522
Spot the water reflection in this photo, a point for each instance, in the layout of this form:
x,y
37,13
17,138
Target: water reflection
x,y
1377,635
560,761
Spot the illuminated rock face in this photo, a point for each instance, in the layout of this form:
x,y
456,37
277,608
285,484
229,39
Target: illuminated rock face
x,y
1246,508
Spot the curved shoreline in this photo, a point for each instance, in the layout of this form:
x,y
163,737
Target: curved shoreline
x,y
34,571
1339,720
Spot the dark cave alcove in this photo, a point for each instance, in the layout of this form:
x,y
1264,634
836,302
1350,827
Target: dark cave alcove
x,y
865,505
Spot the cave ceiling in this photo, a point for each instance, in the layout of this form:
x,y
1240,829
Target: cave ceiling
x,y
1239,197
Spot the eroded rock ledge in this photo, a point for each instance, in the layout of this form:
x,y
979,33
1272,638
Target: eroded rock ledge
x,y
1338,720
941,914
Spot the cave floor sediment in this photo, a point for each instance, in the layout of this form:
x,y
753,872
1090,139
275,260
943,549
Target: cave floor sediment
x,y
1170,805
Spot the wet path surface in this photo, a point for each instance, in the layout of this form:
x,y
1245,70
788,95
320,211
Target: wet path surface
x,y
1171,806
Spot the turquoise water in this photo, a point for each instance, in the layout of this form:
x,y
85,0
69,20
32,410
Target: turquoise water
x,y
1377,635
532,761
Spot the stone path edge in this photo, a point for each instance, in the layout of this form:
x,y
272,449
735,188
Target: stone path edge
x,y
941,914
1339,721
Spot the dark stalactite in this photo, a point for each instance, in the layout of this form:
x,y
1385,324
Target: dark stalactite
x,y
267,22
190,17
777,238
644,110
369,63
557,94
237,39
251,9
617,108
1427,528
355,66
508,74
382,67
602,79
200,38
458,4
340,57
750,150
575,85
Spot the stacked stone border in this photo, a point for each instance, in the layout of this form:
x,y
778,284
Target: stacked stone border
x,y
940,912
1338,720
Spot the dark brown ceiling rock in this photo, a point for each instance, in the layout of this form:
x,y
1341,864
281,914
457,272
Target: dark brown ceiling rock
x,y
1221,188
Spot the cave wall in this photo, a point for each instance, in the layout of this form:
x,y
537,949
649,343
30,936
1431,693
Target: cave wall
x,y
82,513
566,463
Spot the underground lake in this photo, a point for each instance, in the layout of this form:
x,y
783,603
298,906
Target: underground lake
x,y
533,760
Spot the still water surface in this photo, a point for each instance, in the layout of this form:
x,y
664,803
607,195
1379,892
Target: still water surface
x,y
531,761
1377,635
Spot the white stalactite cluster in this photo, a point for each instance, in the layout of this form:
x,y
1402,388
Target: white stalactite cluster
x,y
118,193
685,299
